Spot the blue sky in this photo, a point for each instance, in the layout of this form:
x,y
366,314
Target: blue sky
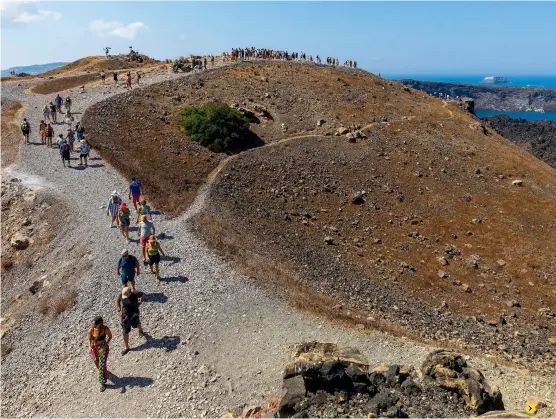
x,y
392,38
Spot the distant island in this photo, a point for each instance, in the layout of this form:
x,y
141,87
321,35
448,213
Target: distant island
x,y
503,98
32,69
495,80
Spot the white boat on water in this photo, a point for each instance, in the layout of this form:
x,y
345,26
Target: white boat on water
x,y
495,80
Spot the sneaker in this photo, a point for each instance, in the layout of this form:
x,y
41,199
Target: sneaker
x,y
125,351
102,388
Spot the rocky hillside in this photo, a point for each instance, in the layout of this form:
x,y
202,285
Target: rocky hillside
x,y
537,137
369,202
492,97
95,64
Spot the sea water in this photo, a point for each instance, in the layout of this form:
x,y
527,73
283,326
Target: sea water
x,y
544,81
530,116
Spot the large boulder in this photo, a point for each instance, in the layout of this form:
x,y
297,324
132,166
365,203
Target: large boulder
x,y
450,371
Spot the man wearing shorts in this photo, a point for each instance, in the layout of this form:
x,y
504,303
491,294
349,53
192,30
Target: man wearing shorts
x,y
135,191
42,131
49,134
128,303
128,267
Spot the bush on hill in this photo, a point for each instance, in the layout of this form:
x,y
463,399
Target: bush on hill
x,y
216,126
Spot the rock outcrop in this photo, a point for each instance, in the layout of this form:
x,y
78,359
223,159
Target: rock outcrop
x,y
324,380
450,371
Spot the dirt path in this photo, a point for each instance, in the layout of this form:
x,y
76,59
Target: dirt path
x,y
201,313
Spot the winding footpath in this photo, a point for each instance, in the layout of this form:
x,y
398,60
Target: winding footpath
x,y
201,313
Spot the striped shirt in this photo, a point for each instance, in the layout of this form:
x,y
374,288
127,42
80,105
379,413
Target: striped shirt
x,y
113,206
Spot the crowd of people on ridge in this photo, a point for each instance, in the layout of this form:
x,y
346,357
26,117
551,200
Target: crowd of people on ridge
x,y
245,54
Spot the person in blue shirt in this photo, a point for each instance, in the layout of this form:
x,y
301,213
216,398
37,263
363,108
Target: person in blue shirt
x,y
135,191
58,101
128,267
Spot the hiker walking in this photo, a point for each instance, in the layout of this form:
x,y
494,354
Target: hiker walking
x,y
145,230
79,131
46,112
205,62
124,219
49,134
113,207
138,75
103,77
128,80
115,78
153,252
68,104
69,119
128,303
144,209
53,112
65,152
25,130
70,137
135,191
212,60
128,268
42,131
99,338
58,102
84,152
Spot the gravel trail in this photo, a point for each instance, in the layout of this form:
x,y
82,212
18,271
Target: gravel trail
x,y
201,313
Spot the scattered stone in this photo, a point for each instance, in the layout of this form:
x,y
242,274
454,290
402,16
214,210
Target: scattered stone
x,y
342,131
19,241
442,260
513,303
442,274
329,240
320,122
517,182
500,262
358,198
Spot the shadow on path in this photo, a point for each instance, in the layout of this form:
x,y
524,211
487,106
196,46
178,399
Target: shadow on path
x,y
123,382
180,278
169,343
172,259
155,297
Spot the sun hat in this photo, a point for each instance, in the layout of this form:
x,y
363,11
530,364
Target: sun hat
x,y
126,291
114,193
144,217
123,205
125,252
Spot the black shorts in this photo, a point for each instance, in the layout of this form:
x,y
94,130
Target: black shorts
x,y
83,155
129,322
154,259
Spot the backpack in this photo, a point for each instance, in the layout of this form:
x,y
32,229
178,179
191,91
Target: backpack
x,y
25,126
124,217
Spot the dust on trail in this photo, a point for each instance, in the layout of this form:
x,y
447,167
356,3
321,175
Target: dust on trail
x,y
202,313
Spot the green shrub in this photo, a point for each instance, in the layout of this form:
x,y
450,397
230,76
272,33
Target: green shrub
x,y
217,126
